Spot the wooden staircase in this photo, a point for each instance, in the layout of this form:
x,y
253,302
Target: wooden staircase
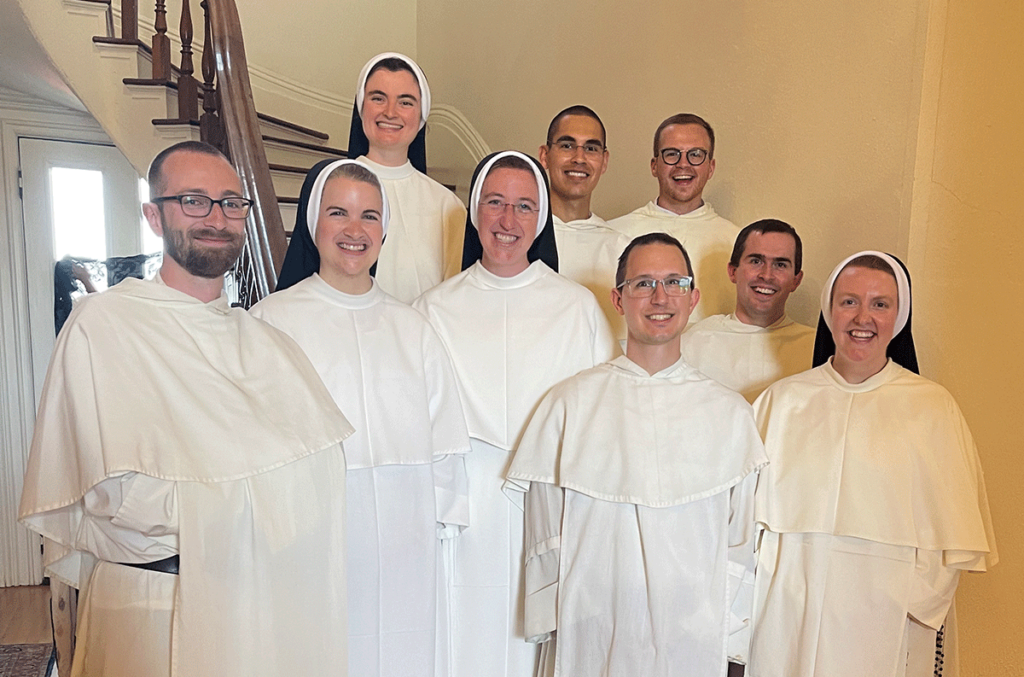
x,y
145,102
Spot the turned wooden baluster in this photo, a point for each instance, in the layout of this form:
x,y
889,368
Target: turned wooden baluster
x,y
129,20
210,130
188,89
161,45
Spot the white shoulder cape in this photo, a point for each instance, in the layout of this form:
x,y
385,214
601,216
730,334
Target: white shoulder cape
x,y
745,357
889,460
618,434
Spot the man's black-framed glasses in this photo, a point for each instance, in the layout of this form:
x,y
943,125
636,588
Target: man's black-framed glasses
x,y
201,205
695,157
569,147
642,287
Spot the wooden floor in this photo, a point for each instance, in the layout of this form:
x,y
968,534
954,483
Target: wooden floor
x,y
25,615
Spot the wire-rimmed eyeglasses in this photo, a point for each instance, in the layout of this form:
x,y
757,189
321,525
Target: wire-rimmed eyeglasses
x,y
495,207
569,148
642,287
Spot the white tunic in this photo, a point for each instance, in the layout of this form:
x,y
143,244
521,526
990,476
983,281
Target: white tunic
x,y
510,339
406,481
745,357
639,520
872,505
424,242
708,239
588,254
167,425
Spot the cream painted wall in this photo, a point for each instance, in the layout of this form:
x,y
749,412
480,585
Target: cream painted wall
x,y
966,246
815,105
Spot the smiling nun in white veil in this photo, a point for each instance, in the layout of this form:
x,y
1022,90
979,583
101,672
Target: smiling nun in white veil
x,y
514,328
406,477
873,502
388,135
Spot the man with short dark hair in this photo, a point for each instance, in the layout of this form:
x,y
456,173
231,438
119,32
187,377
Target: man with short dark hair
x,y
683,163
575,156
637,479
757,344
186,466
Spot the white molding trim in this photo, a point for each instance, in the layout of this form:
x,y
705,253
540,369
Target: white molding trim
x,y
452,119
13,100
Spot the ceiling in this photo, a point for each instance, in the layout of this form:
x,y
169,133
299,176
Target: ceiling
x,y
24,66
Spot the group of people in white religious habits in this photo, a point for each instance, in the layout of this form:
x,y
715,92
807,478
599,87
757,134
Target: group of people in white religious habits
x,y
503,441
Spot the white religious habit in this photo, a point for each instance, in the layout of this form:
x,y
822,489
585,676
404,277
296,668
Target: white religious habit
x,y
708,239
871,506
510,339
406,482
745,357
639,495
168,426
588,254
424,242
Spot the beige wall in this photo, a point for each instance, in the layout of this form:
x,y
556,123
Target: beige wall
x,y
893,126
966,248
815,105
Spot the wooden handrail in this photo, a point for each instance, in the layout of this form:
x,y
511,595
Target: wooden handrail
x,y
267,241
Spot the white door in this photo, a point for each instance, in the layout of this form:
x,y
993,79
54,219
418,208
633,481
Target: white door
x,y
82,200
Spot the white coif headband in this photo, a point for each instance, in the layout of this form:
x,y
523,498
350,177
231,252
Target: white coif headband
x,y
542,203
902,289
420,78
313,208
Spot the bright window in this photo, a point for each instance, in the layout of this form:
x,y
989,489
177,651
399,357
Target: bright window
x,y
78,219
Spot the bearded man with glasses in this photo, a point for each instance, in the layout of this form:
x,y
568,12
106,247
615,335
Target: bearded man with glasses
x,y
639,479
683,163
186,468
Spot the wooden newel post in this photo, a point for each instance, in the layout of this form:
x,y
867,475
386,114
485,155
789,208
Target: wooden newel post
x,y
209,124
188,90
161,45
129,19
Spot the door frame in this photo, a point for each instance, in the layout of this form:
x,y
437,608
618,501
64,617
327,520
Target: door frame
x,y
21,116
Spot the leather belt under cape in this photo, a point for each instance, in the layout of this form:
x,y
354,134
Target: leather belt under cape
x,y
166,566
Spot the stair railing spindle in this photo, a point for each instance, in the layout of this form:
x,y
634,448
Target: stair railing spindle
x,y
188,92
129,19
210,129
161,45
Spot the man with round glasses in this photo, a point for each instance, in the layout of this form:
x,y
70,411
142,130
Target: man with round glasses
x,y
187,466
683,163
575,156
639,477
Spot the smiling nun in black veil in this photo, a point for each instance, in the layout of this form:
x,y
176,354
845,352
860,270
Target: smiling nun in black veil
x,y
387,369
388,134
514,328
873,502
